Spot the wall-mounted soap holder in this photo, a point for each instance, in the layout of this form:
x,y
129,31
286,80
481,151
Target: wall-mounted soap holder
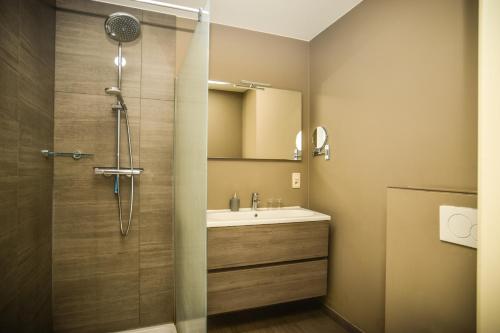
x,y
320,147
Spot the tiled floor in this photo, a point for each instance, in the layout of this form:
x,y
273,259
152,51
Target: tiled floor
x,y
300,317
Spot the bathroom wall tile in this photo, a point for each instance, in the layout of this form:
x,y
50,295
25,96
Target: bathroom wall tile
x,y
74,265
157,279
8,253
158,69
156,268
85,57
94,266
157,192
42,322
91,7
26,109
91,234
159,19
106,282
156,251
8,315
35,81
157,226
39,42
34,285
157,136
75,295
156,308
156,229
87,123
35,133
9,125
99,275
9,30
34,215
105,316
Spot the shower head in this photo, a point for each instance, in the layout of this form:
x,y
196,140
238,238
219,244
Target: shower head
x,y
122,27
114,91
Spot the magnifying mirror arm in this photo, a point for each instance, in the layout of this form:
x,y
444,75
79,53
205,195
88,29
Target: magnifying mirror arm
x,y
325,150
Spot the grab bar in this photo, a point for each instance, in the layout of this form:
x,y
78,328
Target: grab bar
x,y
76,155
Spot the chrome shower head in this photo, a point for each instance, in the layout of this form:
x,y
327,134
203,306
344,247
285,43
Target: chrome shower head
x,y
122,27
114,91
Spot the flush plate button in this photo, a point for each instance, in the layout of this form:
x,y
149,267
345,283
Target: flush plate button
x,y
458,225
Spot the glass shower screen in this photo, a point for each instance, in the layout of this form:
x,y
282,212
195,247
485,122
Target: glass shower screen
x,y
190,174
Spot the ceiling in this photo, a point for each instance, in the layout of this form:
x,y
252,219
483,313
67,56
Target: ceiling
x,y
299,19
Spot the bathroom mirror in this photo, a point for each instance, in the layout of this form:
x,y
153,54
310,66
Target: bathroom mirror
x,y
319,137
247,121
319,140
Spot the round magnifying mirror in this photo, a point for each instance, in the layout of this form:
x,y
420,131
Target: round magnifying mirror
x,y
298,141
319,137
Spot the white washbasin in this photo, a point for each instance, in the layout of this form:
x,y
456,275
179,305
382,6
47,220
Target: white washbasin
x,y
226,218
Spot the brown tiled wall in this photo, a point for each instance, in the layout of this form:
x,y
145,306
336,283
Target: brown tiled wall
x,y
102,281
26,126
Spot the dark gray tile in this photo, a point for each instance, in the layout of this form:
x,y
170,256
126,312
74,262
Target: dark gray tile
x,y
37,30
9,30
35,133
9,125
8,253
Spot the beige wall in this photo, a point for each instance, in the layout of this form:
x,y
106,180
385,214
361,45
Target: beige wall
x,y
224,123
489,166
430,284
394,82
237,54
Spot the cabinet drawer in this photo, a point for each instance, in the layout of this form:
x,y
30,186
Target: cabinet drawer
x,y
263,244
246,288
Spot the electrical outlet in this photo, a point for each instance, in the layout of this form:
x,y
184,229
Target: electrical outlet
x,y
296,180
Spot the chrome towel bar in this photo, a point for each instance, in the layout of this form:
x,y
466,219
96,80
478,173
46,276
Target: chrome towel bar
x,y
76,155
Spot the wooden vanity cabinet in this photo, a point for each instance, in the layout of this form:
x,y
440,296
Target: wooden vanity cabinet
x,y
257,265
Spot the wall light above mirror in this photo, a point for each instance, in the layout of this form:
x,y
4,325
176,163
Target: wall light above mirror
x,y
252,120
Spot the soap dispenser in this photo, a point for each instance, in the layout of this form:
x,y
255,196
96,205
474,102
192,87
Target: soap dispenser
x,y
234,203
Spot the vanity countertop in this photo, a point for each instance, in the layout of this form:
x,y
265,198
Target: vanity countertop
x,y
246,216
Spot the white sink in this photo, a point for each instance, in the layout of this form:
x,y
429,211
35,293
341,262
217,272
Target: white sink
x,y
226,218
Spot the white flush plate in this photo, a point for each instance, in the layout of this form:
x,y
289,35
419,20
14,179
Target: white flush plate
x,y
458,225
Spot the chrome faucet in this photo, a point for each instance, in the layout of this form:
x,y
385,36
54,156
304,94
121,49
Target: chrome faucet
x,y
255,200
